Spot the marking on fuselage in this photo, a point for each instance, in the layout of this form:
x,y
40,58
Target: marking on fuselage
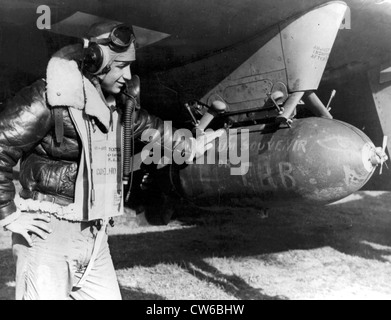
x,y
264,175
280,146
320,54
335,143
352,178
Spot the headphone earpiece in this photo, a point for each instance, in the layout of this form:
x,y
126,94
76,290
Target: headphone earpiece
x,y
93,58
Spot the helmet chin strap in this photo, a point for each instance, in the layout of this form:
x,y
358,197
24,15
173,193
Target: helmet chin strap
x,y
106,70
104,73
96,81
98,78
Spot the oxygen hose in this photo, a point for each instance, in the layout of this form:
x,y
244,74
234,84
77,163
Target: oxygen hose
x,y
128,139
132,92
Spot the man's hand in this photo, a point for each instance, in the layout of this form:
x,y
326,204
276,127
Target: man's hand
x,y
31,223
191,149
205,142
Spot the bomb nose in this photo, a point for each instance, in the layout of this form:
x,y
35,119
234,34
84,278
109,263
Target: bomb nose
x,y
378,156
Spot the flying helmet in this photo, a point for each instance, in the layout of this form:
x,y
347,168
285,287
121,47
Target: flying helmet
x,y
105,43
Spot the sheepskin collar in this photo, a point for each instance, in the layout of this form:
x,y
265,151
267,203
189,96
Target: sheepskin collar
x,y
66,86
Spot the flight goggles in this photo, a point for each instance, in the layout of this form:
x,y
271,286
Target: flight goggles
x,y
119,39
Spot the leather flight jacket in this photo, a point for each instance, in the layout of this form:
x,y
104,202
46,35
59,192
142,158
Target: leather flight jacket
x,y
47,167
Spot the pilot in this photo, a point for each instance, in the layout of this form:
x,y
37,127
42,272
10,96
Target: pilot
x,y
65,131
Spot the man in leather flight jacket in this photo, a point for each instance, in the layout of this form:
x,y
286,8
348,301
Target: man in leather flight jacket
x,y
66,133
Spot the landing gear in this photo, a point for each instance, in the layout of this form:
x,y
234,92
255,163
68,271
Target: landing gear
x,y
159,211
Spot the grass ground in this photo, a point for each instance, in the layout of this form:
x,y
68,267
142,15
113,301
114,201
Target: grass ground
x,y
342,251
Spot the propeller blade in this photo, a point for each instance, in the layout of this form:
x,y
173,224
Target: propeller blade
x,y
385,141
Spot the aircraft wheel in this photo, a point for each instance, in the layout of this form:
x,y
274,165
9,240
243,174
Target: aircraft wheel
x,y
160,211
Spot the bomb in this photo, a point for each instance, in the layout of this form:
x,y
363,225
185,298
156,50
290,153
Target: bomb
x,y
317,161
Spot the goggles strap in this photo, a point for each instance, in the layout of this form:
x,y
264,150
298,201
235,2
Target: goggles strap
x,y
101,41
86,43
